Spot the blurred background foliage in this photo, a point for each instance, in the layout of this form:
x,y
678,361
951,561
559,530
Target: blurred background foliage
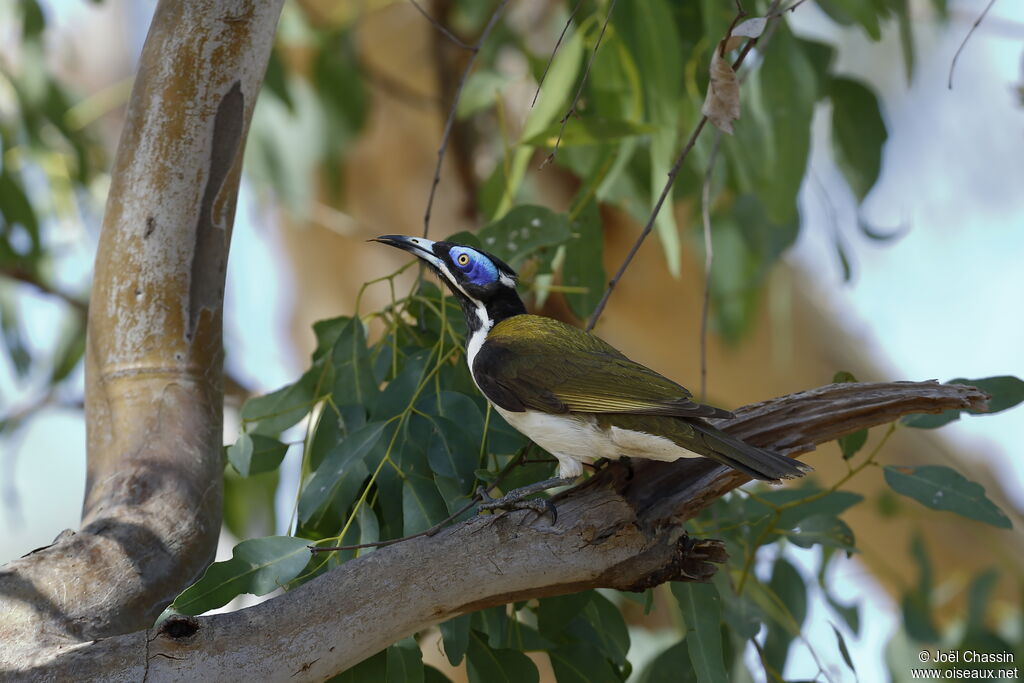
x,y
383,430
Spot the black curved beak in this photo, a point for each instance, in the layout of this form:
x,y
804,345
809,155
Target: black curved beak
x,y
420,246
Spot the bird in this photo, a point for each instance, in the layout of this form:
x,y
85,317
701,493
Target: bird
x,y
569,391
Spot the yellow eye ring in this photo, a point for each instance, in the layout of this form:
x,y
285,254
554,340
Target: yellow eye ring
x,y
462,259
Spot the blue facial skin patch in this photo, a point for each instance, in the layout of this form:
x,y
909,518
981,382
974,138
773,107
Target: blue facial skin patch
x,y
478,268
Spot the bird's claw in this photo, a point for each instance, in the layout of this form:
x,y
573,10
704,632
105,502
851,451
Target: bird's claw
x,y
517,499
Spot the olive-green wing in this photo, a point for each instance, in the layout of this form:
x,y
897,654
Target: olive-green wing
x,y
532,362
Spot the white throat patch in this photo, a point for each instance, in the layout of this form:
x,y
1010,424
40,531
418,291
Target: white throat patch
x,y
477,338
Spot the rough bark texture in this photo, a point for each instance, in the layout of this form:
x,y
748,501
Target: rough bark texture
x,y
154,391
617,530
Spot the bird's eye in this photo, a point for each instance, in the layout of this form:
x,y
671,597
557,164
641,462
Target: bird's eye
x,y
462,259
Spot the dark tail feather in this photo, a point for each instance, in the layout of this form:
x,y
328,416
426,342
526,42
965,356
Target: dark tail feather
x,y
759,463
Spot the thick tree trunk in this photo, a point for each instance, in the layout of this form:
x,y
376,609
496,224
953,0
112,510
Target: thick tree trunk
x,y
613,531
154,390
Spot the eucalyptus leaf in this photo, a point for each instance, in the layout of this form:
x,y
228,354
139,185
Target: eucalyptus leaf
x,y
702,610
858,133
581,662
256,453
523,231
422,504
488,665
257,566
942,488
335,473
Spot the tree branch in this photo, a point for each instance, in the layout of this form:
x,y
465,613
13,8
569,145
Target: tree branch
x,y
154,375
613,531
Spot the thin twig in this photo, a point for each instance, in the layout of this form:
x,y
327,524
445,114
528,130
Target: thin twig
x,y
442,28
380,544
709,255
673,172
579,91
451,113
551,59
520,459
974,27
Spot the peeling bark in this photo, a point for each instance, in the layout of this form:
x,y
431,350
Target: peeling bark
x,y
617,531
154,380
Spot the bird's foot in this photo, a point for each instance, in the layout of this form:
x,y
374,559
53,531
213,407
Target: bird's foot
x,y
517,498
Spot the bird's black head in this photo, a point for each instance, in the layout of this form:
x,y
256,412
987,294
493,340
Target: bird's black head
x,y
483,284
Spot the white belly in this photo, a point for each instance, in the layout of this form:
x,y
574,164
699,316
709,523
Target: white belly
x,y
576,439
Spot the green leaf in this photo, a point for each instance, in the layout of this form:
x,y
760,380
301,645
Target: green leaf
x,y
584,262
422,504
453,451
480,92
257,566
607,621
554,614
823,530
455,633
791,600
917,615
858,133
843,377
354,383
341,471
372,670
978,596
500,190
405,662
843,650
68,353
588,131
273,413
254,454
486,665
671,666
852,443
702,610
942,488
649,31
494,622
847,12
523,231
581,662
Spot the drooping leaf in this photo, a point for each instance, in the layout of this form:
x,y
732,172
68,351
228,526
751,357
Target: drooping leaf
x,y
823,530
608,624
584,265
702,611
257,566
589,131
256,453
673,665
405,662
791,593
843,650
273,413
455,633
422,504
341,470
916,603
554,614
488,665
648,30
943,488
858,133
581,662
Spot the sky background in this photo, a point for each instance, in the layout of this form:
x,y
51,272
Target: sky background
x,y
953,174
